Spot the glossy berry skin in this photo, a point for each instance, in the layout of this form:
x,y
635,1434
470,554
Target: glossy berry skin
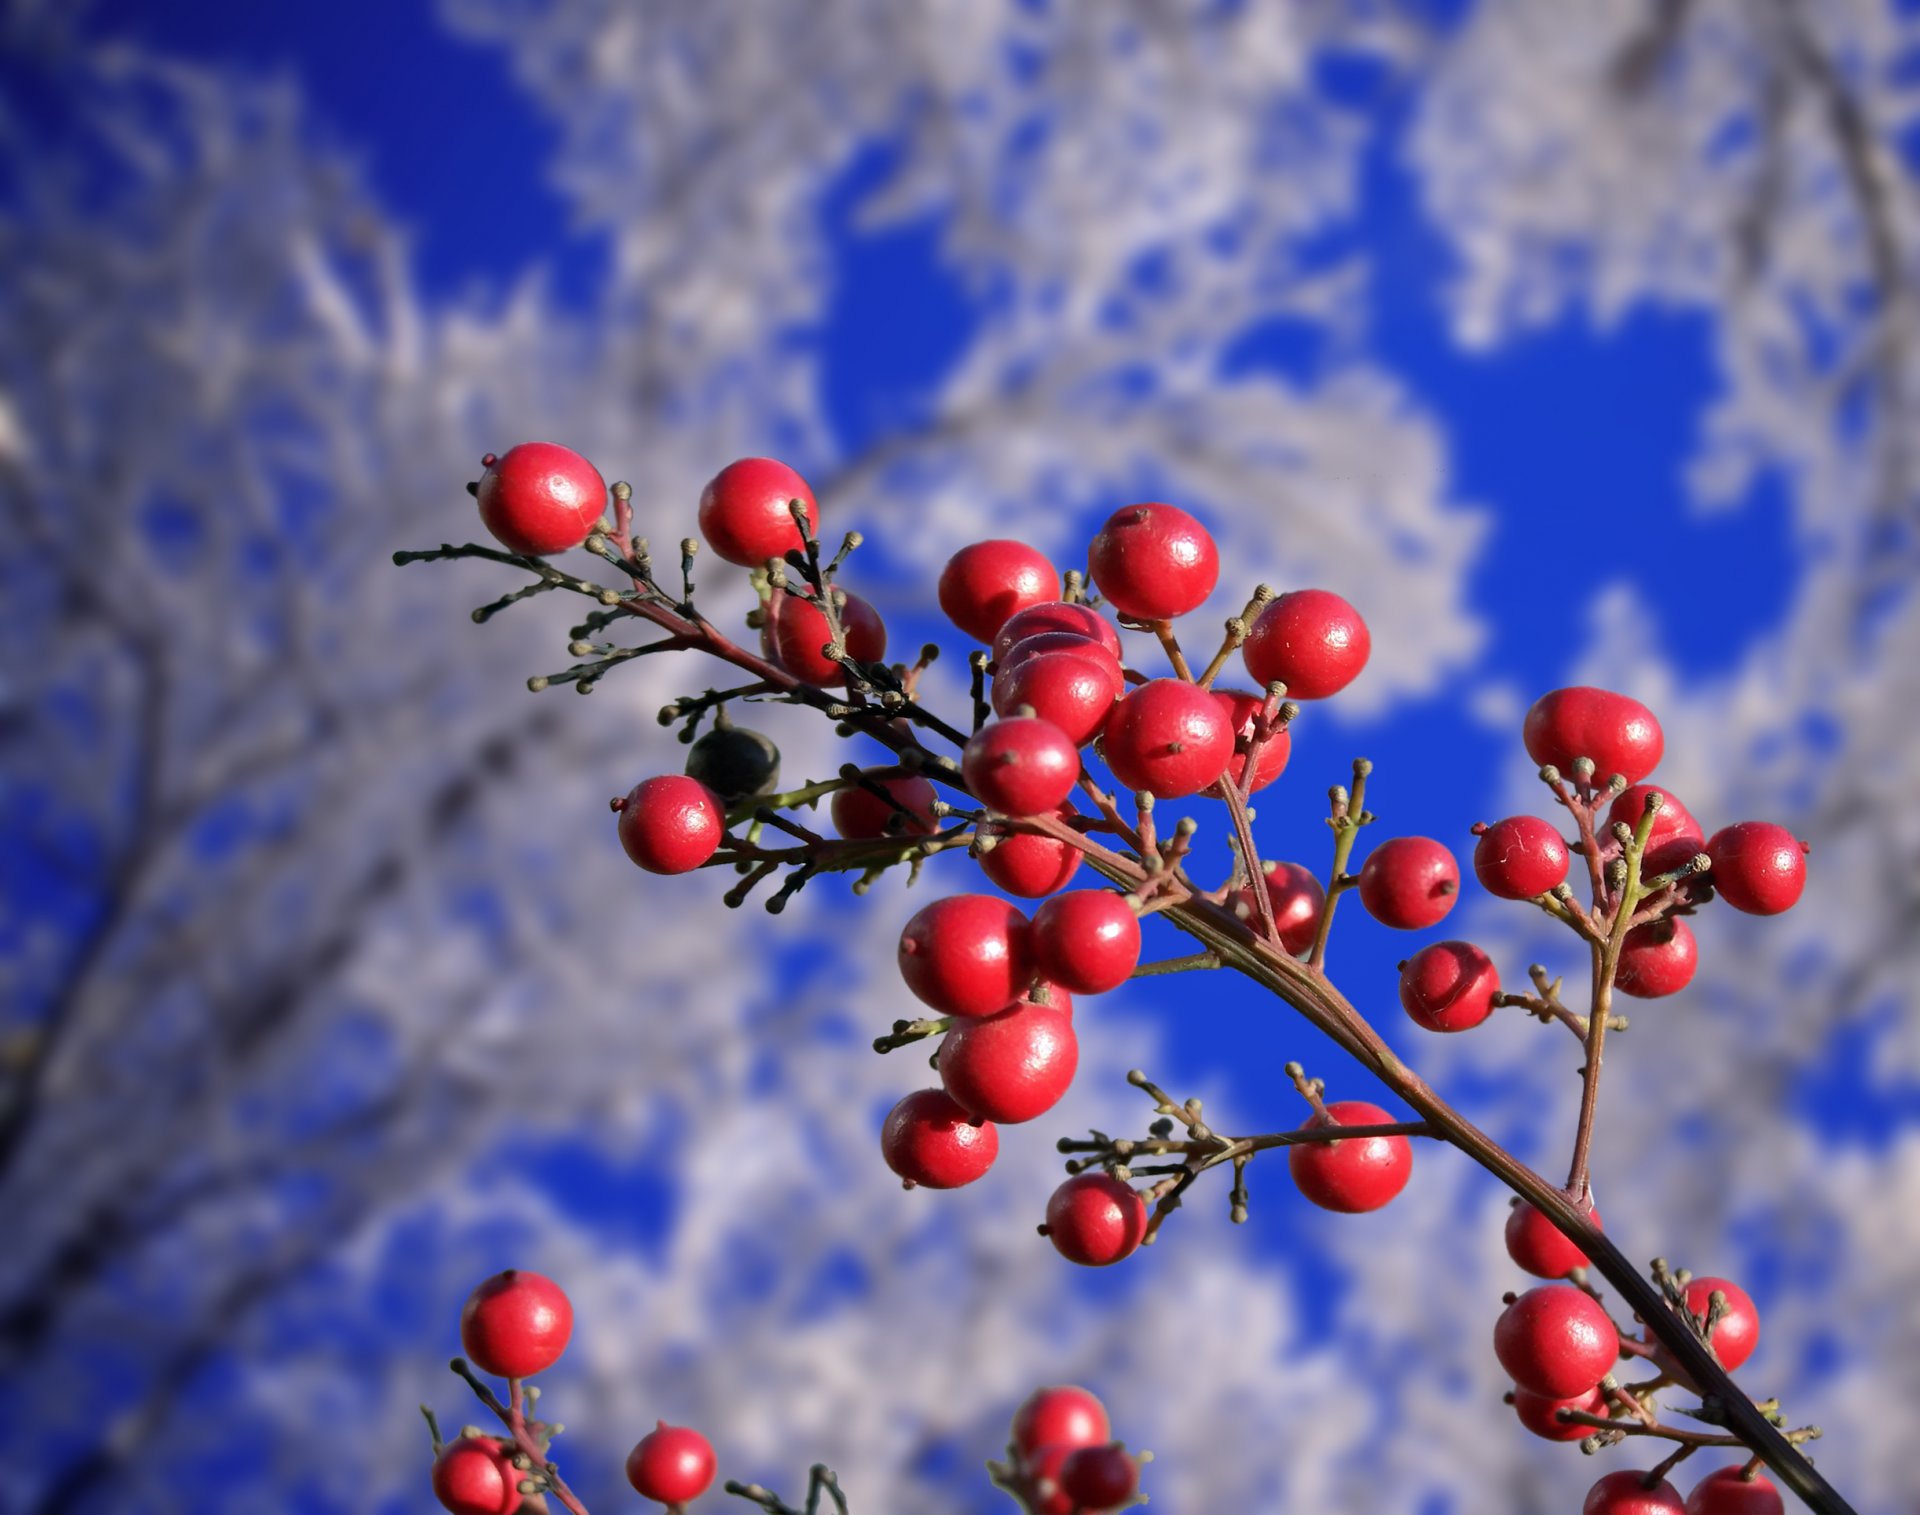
x,y
1520,858
1028,865
735,763
1154,562
1626,1493
985,584
1021,766
516,1324
1099,1478
1312,641
929,1140
1409,882
1242,711
671,1464
860,815
1061,1415
746,511
1012,1066
1297,901
1556,1341
967,954
1541,1415
540,498
1042,643
797,630
476,1476
1169,738
1058,615
1088,940
1737,1332
1670,821
1725,1492
1355,1175
1448,986
670,823
1073,689
1758,867
1657,959
1618,733
1539,1246
1095,1220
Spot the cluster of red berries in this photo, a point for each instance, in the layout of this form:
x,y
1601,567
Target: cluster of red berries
x,y
1063,1460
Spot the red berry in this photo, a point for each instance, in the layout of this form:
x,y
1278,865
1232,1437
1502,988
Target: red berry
x,y
671,1464
671,823
1449,986
1541,1247
1026,864
541,498
1619,734
1657,959
1088,940
1041,643
1021,766
1520,858
1541,1415
1095,1220
1356,1174
1311,640
1012,1066
797,632
1670,821
1758,867
967,954
1726,1492
984,585
1737,1332
1409,882
476,1476
1626,1493
516,1324
860,815
1243,710
930,1141
1081,620
1297,899
1154,562
1059,1416
1099,1478
1556,1341
746,511
1169,738
1670,857
1043,1467
1073,689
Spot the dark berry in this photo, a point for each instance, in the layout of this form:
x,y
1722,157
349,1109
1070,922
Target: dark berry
x,y
735,763
1100,1478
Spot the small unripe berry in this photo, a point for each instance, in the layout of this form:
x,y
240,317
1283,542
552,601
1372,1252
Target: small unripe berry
x,y
1728,1492
1021,766
1520,858
516,1324
1100,1478
1088,940
746,511
1074,689
1013,1066
1355,1174
1541,1247
1297,900
1154,562
967,954
1670,821
1626,1493
1657,959
671,1464
1026,864
1541,1415
1243,710
1409,882
985,584
541,498
929,1140
670,823
1061,1415
1619,734
1449,986
1312,641
1081,620
1758,867
1556,1341
735,763
1169,738
476,1476
797,630
1095,1220
861,815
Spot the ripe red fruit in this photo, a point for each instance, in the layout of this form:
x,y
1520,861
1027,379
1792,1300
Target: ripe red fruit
x,y
516,1324
670,823
1297,900
861,815
1626,1493
1043,1467
1026,864
1520,858
1059,1416
1409,882
1670,821
476,1476
967,954
1726,1492
1758,867
1539,1246
1541,1415
1041,643
985,584
1311,640
1618,733
1657,959
671,1464
1099,1478
1737,1332
1095,1220
1242,711
1088,940
797,630
1449,986
1168,737
1355,1174
1154,562
1556,1341
931,1141
746,511
540,498
1012,1066
1021,766
1059,615
1074,689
